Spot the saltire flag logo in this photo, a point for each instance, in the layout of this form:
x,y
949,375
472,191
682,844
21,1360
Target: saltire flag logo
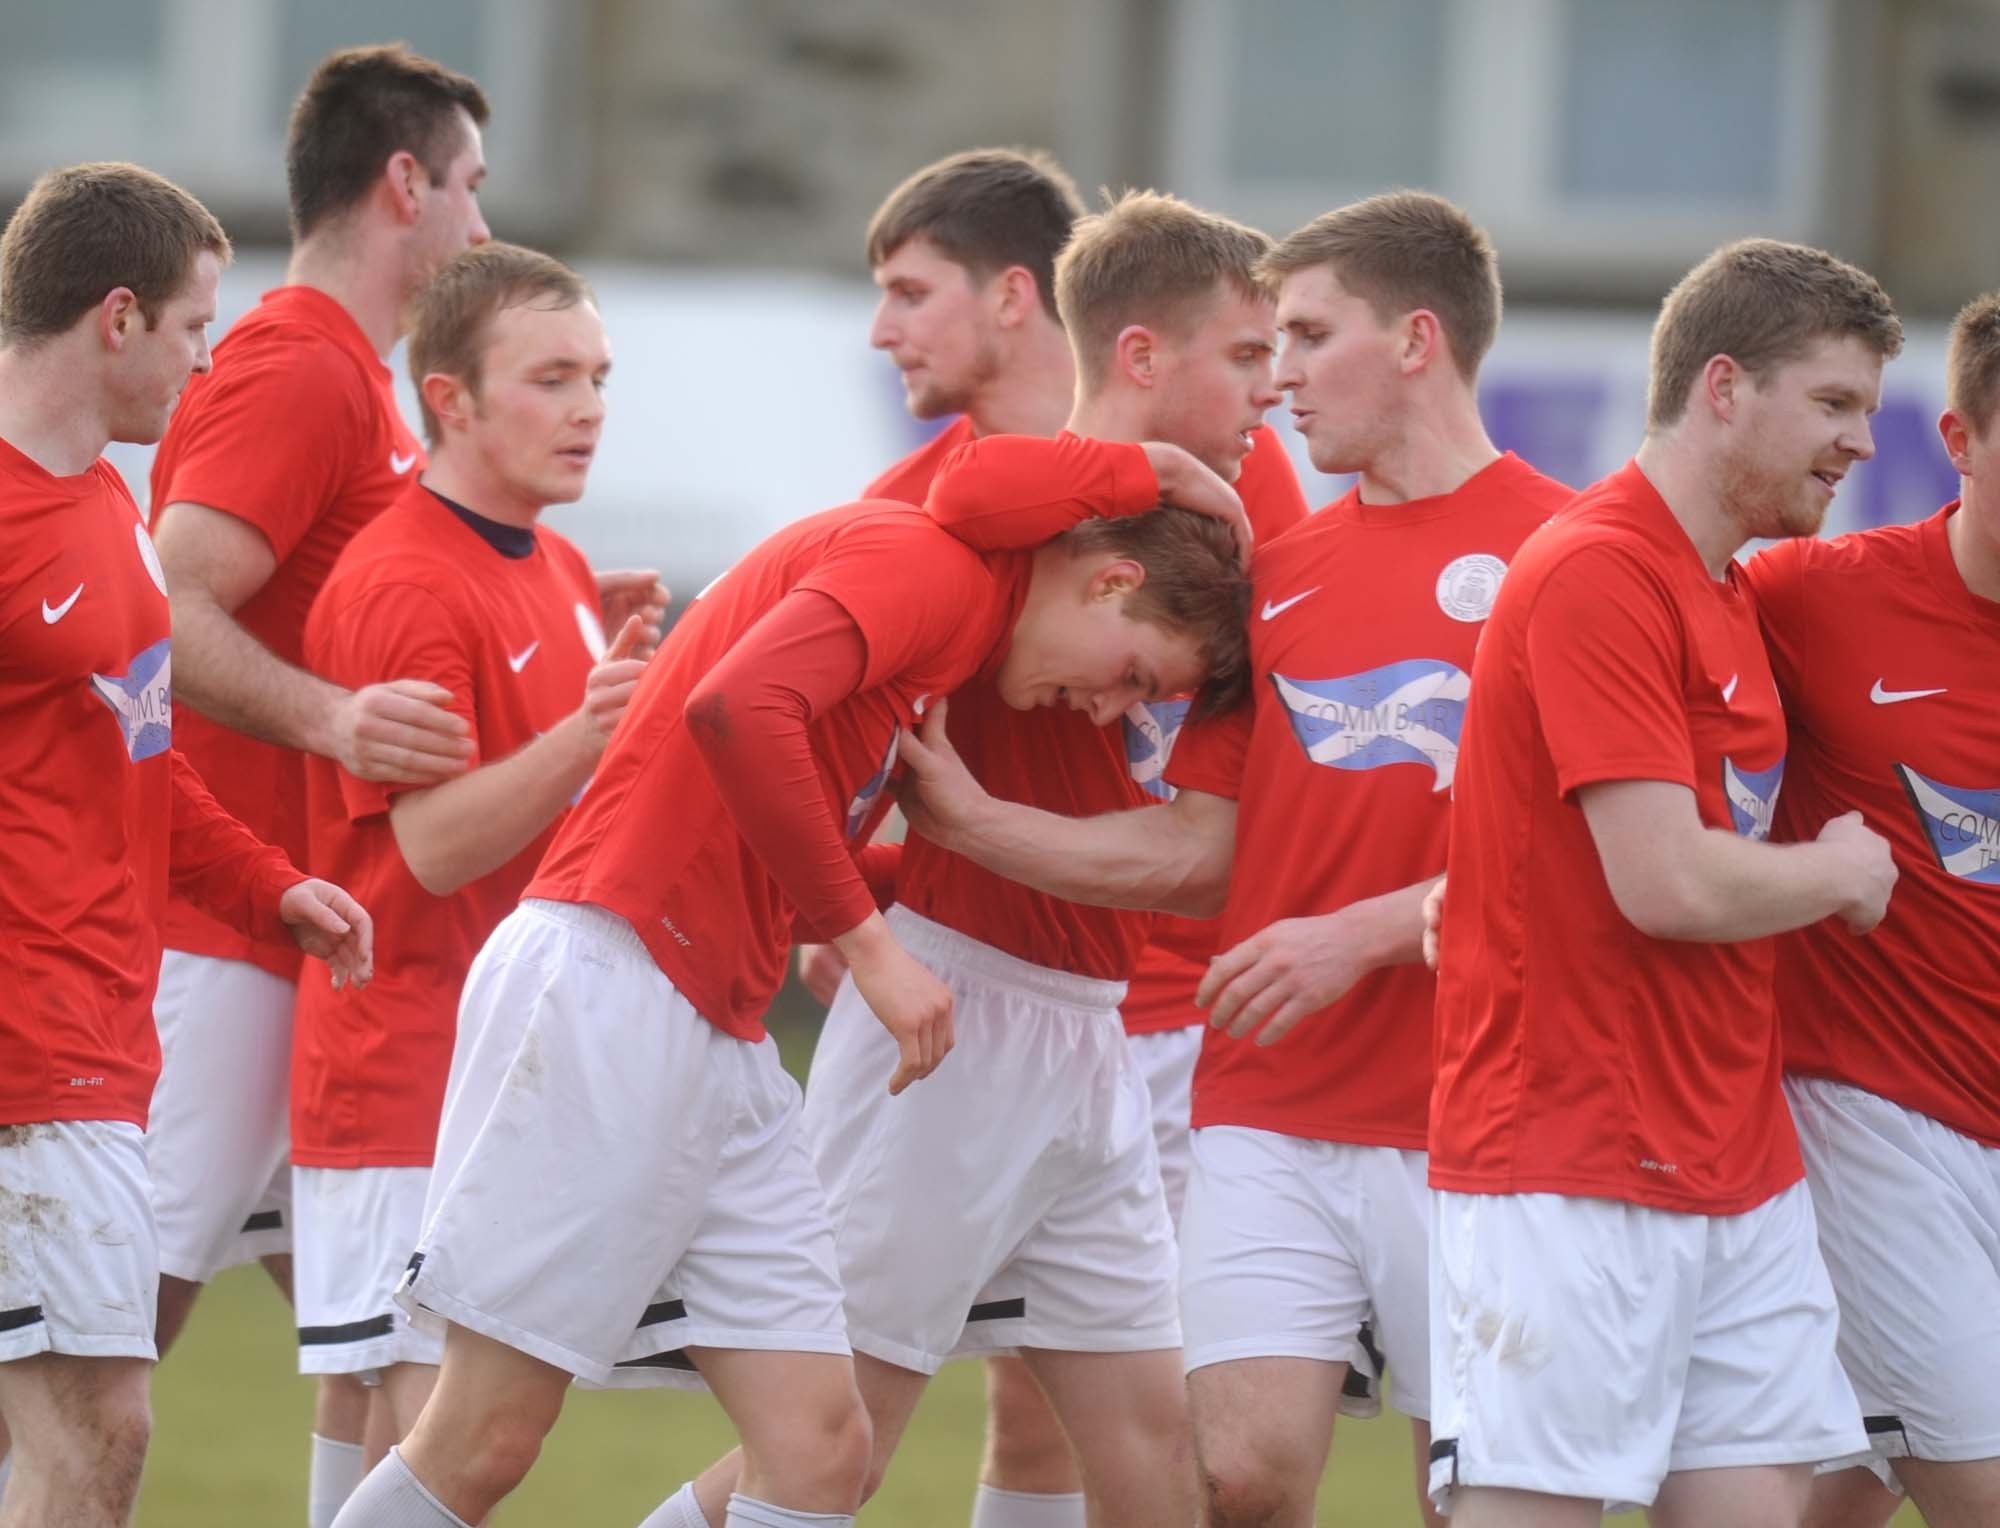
x,y
871,790
1150,729
142,700
1753,797
1409,712
1962,824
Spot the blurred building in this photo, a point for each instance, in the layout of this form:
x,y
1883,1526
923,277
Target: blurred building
x,y
713,163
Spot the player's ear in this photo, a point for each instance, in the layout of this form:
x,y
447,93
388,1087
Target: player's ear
x,y
1721,382
1015,296
1423,339
1135,355
117,316
1957,438
449,399
401,177
1116,579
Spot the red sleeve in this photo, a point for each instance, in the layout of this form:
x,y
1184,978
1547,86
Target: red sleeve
x,y
390,631
270,444
1269,487
917,595
749,717
220,866
1209,754
1604,659
879,863
1007,493
1777,580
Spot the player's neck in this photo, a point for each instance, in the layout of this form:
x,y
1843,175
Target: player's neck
x,y
1685,477
461,477
1974,546
1440,449
1113,414
361,275
1032,392
47,413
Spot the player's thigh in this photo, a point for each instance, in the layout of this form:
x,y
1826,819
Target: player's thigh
x,y
1751,1496
1502,1507
69,1415
1266,1420
1852,1497
1963,1494
1909,1224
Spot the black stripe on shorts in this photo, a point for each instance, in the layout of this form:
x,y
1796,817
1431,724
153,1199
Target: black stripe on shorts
x,y
265,1220
677,1359
353,1331
997,1310
14,1320
663,1310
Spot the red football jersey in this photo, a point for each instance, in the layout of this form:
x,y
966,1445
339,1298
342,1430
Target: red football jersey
x,y
1363,627
1057,759
419,594
1575,1055
909,480
1890,671
99,814
296,433
652,840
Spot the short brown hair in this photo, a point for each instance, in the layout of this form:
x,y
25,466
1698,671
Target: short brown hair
x,y
1972,363
449,319
1761,303
360,106
85,231
1195,586
1402,251
987,209
1151,259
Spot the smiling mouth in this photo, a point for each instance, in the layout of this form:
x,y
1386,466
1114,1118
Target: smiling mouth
x,y
1831,479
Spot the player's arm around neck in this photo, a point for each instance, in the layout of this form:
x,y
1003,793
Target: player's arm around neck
x,y
452,834
214,563
1673,877
1173,858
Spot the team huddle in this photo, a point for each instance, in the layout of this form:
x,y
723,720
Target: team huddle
x,y
424,954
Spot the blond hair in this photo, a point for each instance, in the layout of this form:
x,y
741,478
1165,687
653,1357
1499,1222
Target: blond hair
x,y
1150,259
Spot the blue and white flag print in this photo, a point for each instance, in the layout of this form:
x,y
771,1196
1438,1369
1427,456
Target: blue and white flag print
x,y
1150,729
1409,712
1753,797
1962,824
871,789
142,700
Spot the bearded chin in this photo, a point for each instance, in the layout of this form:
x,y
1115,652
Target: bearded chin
x,y
1765,504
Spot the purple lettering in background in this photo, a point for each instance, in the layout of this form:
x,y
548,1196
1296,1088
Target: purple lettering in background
x,y
1549,421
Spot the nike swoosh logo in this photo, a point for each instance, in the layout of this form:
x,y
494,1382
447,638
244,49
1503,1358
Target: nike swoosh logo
x,y
1729,689
54,613
1883,697
1272,612
519,661
401,464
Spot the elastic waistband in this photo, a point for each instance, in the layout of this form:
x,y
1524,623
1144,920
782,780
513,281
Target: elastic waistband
x,y
588,918
956,954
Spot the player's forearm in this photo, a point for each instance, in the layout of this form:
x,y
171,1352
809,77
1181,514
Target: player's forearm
x,y
452,834
1389,930
230,677
1136,859
1728,888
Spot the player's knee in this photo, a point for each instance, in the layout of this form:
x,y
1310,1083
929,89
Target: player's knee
x,y
504,1450
845,1469
1244,1486
1024,1442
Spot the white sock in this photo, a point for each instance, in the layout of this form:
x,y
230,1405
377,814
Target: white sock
x,y
745,1512
995,1508
681,1510
391,1497
336,1471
